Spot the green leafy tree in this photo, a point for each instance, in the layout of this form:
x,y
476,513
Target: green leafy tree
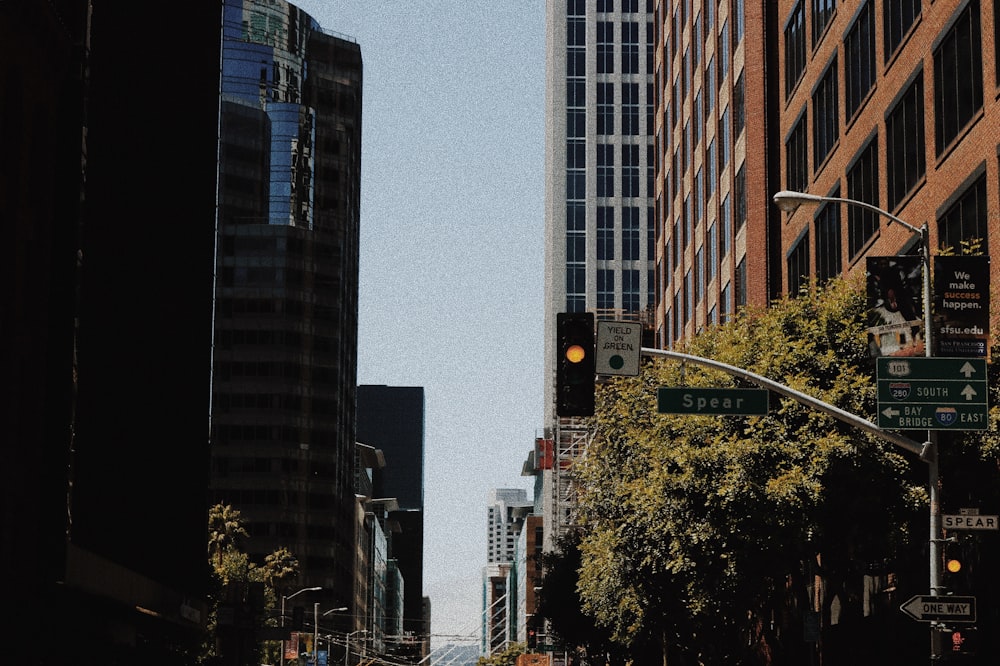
x,y
225,531
506,657
706,532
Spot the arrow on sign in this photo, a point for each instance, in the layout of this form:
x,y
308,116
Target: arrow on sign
x,y
889,412
969,392
968,370
932,609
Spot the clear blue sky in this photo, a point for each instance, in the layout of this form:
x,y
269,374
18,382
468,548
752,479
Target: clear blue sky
x,y
451,294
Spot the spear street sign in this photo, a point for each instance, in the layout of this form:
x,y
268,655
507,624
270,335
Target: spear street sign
x,y
921,393
940,609
687,400
969,522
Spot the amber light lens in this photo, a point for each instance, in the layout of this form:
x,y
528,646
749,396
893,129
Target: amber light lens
x,y
575,353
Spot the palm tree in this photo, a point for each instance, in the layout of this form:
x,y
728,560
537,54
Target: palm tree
x,y
225,529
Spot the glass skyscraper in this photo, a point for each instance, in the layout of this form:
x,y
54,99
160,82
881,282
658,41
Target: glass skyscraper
x,y
284,366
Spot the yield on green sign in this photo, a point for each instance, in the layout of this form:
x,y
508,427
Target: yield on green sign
x,y
687,400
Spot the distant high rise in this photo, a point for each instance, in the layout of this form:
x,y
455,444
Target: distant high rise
x,y
284,371
505,513
600,161
391,418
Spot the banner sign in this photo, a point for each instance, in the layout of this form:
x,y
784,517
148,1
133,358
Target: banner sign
x,y
895,306
962,306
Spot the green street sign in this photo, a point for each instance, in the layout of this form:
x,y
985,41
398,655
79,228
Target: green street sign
x,y
687,400
923,393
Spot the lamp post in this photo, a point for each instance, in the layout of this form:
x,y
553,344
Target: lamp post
x,y
347,645
283,600
789,201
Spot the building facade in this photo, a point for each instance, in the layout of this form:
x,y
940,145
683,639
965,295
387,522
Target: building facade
x,y
505,513
893,104
107,262
599,186
284,367
391,418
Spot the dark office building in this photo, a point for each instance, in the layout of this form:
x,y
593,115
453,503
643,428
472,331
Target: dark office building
x,y
391,418
107,206
285,367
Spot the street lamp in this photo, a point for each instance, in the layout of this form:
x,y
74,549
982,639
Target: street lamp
x,y
347,645
789,201
283,600
335,610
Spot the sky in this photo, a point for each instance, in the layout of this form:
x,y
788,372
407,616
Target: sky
x,y
452,258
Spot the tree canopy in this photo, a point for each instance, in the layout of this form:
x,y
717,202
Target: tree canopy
x,y
706,533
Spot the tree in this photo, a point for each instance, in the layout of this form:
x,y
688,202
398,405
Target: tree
x,y
506,657
709,530
225,530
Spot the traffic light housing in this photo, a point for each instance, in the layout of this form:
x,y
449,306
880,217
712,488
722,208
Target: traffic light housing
x,y
956,567
575,364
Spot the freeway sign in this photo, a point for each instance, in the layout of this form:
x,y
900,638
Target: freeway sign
x,y
687,400
939,609
932,393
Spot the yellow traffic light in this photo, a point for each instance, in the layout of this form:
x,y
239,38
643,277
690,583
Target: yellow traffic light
x,y
953,565
575,353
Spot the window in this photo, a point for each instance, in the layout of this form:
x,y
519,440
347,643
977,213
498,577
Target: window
x,y
710,85
630,109
859,59
795,48
605,108
630,233
741,283
605,6
796,158
650,43
826,128
713,173
725,238
630,171
898,16
605,47
605,170
698,125
822,12
699,199
605,232
723,52
739,108
697,39
958,78
862,185
738,22
650,170
630,47
798,266
630,290
724,142
713,251
688,222
688,296
678,324
576,180
966,219
725,302
605,289
904,135
699,274
576,273
828,241
740,197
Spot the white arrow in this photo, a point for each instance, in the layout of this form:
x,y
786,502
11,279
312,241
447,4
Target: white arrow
x,y
969,392
968,370
889,412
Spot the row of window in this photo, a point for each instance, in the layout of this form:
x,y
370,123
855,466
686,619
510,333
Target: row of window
x,y
958,98
963,221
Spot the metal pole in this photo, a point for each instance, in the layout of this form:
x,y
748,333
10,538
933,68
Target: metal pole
x,y
315,632
281,648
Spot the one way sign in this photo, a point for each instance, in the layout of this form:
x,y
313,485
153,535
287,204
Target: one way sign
x,y
937,609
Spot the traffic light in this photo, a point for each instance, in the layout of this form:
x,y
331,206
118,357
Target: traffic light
x,y
575,364
956,568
